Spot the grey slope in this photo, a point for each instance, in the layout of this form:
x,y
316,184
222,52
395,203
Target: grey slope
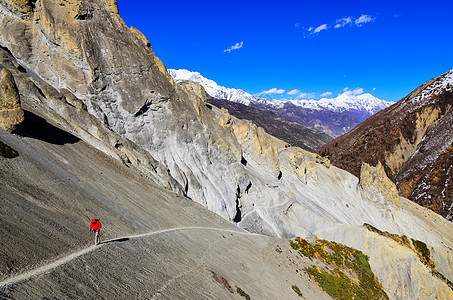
x,y
65,259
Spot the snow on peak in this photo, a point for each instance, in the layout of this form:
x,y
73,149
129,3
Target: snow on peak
x,y
211,87
349,101
437,85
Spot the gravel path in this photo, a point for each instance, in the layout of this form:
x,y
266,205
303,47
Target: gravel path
x,y
61,261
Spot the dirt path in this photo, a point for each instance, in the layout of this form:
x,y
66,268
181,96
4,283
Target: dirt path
x,y
63,260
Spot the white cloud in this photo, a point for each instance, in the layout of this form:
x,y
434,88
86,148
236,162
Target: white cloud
x,y
364,19
306,96
234,47
326,94
293,92
272,91
321,28
343,22
355,92
339,23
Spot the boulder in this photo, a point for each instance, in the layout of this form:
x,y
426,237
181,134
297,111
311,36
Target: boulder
x,y
11,113
376,186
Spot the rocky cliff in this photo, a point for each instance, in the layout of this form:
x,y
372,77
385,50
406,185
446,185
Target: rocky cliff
x,y
79,66
413,141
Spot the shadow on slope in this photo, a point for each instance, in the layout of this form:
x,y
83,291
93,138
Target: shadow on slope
x,y
37,128
118,240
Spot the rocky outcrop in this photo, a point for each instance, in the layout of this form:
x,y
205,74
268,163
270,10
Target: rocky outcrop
x,y
412,139
22,7
377,186
11,113
85,48
197,95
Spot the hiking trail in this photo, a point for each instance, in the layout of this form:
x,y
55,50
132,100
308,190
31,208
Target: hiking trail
x,y
65,259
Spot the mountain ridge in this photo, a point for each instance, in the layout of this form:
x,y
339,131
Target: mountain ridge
x,y
307,138
412,139
356,104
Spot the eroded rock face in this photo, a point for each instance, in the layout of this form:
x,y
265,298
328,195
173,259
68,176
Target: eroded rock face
x,y
11,113
22,7
66,44
66,110
85,48
377,186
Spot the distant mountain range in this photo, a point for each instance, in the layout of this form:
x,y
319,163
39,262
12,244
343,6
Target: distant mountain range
x,y
307,138
334,116
414,142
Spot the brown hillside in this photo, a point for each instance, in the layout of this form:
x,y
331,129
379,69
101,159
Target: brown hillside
x,y
413,141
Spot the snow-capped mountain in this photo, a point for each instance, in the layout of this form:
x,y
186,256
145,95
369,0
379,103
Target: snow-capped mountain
x,y
346,101
212,88
355,103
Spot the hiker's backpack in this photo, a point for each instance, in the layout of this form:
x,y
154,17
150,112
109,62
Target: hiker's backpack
x,y
95,224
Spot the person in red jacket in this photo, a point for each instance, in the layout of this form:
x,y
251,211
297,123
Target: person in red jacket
x,y
96,226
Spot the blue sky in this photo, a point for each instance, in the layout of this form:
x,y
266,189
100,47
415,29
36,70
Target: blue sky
x,y
386,48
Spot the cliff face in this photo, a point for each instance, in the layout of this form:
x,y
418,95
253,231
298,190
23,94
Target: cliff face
x,y
79,65
85,48
413,141
66,43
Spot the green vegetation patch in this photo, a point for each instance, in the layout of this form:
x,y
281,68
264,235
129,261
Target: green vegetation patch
x,y
423,253
348,274
7,152
338,285
419,247
298,292
242,293
401,239
304,247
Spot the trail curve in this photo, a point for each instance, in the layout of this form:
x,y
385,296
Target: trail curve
x,y
63,260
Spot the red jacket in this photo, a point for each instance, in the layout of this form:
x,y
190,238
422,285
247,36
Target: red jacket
x,y
95,224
